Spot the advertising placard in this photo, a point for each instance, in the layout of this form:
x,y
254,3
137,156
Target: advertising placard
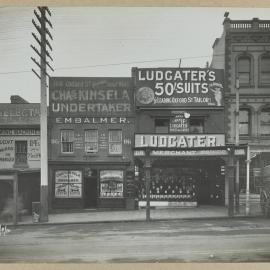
x,y
111,183
179,123
79,96
178,87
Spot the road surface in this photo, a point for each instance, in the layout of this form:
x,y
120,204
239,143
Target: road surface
x,y
223,240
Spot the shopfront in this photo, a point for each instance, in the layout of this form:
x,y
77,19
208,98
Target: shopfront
x,y
19,154
91,131
180,136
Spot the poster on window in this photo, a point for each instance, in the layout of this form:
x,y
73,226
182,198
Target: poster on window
x,y
61,177
75,177
75,190
111,183
61,190
179,123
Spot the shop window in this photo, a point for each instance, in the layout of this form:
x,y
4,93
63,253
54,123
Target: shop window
x,y
20,152
111,183
162,125
265,70
244,70
91,141
67,140
265,122
115,142
244,122
68,184
196,125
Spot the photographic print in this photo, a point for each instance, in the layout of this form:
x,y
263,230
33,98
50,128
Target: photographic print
x,y
134,134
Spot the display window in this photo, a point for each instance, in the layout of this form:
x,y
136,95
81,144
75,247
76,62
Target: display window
x,y
170,184
68,184
111,183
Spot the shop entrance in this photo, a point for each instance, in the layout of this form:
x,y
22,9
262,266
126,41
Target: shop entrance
x,y
90,191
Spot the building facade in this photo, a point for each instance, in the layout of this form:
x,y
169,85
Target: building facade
x,y
180,135
19,152
91,127
243,51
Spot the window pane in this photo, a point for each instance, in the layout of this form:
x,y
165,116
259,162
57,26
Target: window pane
x,y
265,64
244,122
265,122
244,70
265,77
115,141
162,125
244,65
91,141
115,135
196,125
67,138
21,152
244,78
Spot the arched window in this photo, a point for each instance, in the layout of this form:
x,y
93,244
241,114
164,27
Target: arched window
x,y
265,69
265,122
244,122
244,70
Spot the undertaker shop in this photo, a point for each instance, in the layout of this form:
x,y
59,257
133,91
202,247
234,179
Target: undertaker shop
x,y
91,128
180,136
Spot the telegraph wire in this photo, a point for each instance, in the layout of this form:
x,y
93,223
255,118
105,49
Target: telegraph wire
x,y
117,64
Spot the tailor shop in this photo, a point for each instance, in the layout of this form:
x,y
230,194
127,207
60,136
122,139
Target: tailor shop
x,y
91,128
180,136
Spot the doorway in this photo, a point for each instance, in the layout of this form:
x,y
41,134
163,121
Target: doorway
x,y
90,191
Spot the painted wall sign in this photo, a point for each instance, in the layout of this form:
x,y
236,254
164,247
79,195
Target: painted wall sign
x,y
93,120
179,141
179,123
179,87
79,96
19,131
20,114
7,151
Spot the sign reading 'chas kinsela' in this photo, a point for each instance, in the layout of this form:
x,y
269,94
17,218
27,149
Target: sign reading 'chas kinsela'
x,y
79,96
179,87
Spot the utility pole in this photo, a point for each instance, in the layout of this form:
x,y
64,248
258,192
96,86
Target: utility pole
x,y
237,182
43,53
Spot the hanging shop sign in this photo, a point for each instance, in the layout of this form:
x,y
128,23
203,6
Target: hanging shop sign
x,y
179,141
179,123
79,96
178,87
11,114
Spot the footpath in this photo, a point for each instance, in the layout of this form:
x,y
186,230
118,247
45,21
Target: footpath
x,y
99,216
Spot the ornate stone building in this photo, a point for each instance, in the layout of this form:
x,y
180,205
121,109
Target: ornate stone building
x,y
243,51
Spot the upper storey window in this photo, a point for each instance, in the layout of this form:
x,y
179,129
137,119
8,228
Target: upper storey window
x,y
265,70
244,70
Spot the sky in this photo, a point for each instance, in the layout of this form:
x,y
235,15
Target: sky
x,y
108,42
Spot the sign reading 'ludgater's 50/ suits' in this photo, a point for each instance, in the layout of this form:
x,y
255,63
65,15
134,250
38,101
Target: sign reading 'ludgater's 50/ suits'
x,y
178,87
